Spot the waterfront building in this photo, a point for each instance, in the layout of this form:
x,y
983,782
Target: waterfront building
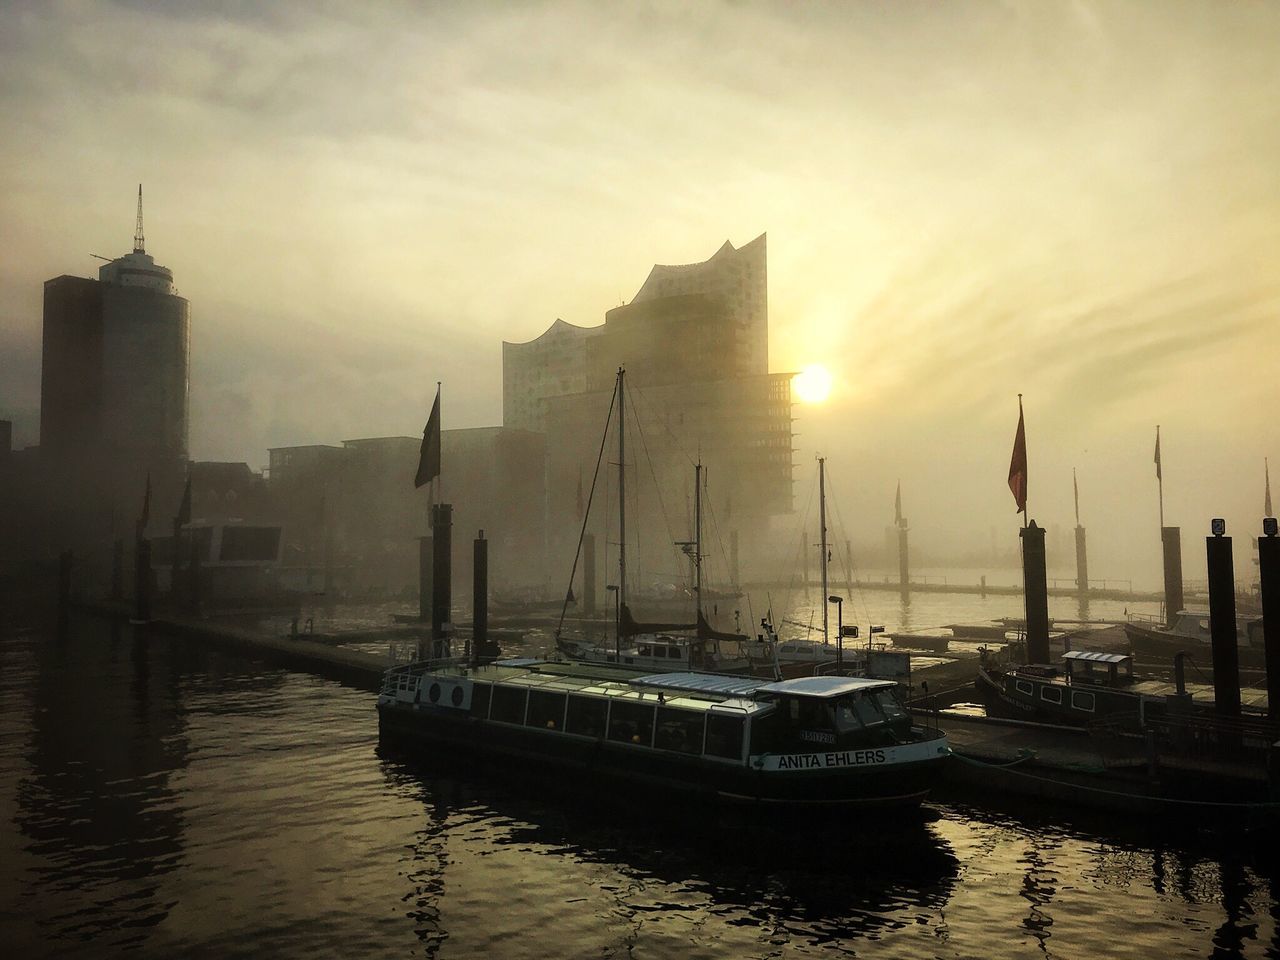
x,y
694,341
114,394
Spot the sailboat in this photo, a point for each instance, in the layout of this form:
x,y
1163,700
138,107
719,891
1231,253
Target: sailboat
x,y
657,647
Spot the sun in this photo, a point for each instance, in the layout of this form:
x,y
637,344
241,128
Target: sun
x,y
812,384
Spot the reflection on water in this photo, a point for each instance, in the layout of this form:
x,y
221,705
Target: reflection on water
x,y
159,796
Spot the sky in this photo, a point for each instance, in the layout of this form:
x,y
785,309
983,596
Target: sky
x,y
1075,201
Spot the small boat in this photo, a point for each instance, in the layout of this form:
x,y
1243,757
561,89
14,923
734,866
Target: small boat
x,y
1088,689
1190,634
812,741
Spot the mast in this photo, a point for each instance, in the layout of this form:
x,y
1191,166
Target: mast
x,y
822,519
622,491
697,536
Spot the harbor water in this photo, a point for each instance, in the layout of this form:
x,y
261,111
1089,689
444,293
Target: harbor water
x,y
175,801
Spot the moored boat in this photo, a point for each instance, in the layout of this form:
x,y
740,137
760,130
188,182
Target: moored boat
x,y
813,741
1190,633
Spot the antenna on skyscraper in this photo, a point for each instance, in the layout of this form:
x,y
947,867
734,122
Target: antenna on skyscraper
x,y
139,245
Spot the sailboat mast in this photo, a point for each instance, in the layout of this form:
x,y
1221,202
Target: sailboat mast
x,y
622,491
822,519
697,536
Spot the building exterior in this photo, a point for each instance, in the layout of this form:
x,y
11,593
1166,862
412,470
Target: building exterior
x,y
353,513
551,365
694,343
114,396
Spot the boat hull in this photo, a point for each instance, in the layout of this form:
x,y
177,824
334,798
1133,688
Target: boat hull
x,y
835,780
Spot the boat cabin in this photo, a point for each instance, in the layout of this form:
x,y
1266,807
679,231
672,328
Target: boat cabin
x,y
1108,669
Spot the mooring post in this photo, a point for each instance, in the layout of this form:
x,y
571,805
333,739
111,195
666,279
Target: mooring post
x,y
441,578
479,597
589,575
142,581
425,555
1269,587
194,573
65,562
1171,541
904,565
1036,589
1082,563
117,570
1222,622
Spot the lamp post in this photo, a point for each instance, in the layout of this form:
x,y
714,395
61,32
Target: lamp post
x,y
617,623
839,602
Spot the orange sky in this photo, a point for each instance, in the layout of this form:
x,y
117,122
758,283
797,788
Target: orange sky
x,y
964,201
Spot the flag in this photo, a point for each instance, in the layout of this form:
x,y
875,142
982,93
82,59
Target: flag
x,y
569,597
1266,509
429,455
1159,476
1018,464
145,517
184,509
1075,489
897,506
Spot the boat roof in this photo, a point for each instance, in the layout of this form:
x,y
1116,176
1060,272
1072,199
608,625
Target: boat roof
x,y
700,683
1095,657
824,687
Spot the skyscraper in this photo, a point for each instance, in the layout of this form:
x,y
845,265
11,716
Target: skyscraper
x,y
114,387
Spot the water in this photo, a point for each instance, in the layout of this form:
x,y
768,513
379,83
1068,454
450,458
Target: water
x,y
180,802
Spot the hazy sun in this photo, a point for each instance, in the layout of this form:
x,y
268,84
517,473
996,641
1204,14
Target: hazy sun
x,y
812,384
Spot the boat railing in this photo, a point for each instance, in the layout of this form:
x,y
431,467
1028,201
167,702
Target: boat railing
x,y
404,676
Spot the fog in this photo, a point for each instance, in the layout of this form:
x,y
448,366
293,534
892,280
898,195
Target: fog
x,y
1077,202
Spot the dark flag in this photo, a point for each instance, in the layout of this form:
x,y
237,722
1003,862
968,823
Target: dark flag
x,y
1158,475
1018,464
569,597
897,506
145,516
184,509
1266,508
429,456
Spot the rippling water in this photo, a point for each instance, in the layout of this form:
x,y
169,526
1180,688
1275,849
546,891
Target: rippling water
x,y
161,797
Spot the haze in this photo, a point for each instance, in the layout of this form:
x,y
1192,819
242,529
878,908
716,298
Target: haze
x,y
1077,202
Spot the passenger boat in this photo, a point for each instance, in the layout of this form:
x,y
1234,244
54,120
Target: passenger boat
x,y
812,741
1190,633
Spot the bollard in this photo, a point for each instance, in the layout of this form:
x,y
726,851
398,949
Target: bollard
x,y
1222,622
1171,542
1269,588
117,570
1036,589
65,562
441,578
142,581
479,597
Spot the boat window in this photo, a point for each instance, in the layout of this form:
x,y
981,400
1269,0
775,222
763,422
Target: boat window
x,y
508,704
678,730
586,716
631,722
868,710
674,653
643,650
1052,694
480,699
1082,701
1024,686
546,709
788,648
724,736
890,704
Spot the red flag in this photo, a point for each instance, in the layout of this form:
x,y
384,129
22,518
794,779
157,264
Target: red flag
x,y
1018,464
